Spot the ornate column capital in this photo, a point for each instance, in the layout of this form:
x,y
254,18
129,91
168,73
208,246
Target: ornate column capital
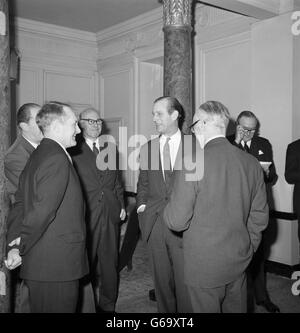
x,y
177,12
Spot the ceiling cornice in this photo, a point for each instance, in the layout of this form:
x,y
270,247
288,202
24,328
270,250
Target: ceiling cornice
x,y
152,17
56,31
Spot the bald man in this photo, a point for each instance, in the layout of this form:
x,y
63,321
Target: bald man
x,y
105,208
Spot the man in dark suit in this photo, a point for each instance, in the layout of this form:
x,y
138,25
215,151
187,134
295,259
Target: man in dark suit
x,y
105,207
158,158
246,138
51,223
222,214
14,162
292,175
17,155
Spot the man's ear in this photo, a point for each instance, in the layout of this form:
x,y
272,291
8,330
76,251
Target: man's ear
x,y
175,115
23,126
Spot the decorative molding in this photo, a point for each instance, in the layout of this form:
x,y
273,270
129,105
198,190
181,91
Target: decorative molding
x,y
112,127
151,18
42,43
115,64
90,79
54,31
201,53
268,5
35,84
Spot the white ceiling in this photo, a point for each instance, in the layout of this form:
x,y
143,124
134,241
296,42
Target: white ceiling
x,y
88,15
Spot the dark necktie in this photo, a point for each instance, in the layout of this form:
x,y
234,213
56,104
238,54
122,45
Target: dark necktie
x,y
95,149
246,148
167,160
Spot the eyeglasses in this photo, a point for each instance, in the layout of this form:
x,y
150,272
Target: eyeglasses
x,y
195,123
92,121
248,130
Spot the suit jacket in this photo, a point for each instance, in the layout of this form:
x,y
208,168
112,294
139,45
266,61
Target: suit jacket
x,y
14,162
152,190
261,149
102,190
223,215
292,172
51,226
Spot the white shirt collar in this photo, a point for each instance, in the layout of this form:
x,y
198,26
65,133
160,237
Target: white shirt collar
x,y
175,137
90,143
248,143
34,145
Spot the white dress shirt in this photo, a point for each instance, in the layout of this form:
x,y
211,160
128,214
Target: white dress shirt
x,y
174,143
248,143
90,143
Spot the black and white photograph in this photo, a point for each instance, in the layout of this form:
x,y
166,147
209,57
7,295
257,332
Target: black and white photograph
x,y
149,159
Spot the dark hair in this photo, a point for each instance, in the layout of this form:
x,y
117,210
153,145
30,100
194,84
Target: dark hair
x,y
173,105
247,114
24,112
50,111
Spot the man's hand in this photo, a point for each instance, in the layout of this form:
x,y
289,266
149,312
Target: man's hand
x,y
15,242
141,209
239,134
13,259
266,169
122,214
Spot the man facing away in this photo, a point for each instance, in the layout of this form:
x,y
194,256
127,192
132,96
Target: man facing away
x,y
158,158
103,194
51,223
14,163
221,213
246,138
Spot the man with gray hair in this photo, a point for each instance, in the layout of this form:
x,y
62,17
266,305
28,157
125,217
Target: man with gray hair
x,y
48,215
222,216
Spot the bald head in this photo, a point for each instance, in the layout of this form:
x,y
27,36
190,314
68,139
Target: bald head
x,y
90,123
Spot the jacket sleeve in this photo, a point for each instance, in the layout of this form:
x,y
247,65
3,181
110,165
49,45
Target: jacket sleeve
x,y
119,189
272,177
259,211
13,168
180,209
14,219
51,181
143,181
292,166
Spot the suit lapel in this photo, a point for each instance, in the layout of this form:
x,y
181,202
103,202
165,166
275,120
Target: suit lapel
x,y
253,148
91,159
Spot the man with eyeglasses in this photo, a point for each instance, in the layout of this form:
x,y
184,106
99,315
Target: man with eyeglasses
x,y
247,139
105,208
221,213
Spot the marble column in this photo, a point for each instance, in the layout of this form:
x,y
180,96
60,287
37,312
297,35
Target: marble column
x,y
4,140
178,54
